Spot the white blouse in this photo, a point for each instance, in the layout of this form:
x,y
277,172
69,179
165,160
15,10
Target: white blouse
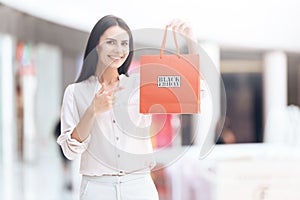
x,y
119,141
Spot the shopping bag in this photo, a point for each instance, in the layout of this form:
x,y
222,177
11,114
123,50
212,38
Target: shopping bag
x,y
170,83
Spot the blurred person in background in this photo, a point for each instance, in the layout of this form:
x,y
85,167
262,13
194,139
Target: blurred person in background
x,y
227,135
20,116
90,127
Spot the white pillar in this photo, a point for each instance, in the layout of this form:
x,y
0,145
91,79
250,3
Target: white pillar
x,y
8,131
275,92
48,99
298,84
213,51
211,101
30,137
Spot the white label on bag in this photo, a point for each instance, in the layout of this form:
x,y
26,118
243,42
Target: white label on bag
x,y
168,81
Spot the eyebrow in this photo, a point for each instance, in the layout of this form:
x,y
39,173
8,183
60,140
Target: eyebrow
x,y
116,40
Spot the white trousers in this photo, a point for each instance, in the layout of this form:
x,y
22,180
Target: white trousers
x,y
127,187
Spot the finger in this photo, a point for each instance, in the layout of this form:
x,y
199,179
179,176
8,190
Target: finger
x,y
110,97
171,22
102,89
179,26
174,23
114,89
186,29
111,102
182,26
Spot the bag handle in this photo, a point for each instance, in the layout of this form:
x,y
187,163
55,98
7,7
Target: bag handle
x,y
164,42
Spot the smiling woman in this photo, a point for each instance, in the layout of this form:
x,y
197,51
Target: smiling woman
x,y
100,118
90,128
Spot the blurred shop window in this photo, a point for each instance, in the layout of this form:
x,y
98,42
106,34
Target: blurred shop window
x,y
294,79
244,105
25,93
171,130
186,129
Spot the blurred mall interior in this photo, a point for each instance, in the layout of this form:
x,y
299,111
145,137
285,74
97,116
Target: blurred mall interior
x,y
257,156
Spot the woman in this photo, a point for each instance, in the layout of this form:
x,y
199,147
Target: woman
x,y
100,119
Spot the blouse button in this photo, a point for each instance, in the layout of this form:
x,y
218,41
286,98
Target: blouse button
x,y
118,155
117,138
114,121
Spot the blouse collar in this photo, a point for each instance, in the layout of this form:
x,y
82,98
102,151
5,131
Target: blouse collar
x,y
94,78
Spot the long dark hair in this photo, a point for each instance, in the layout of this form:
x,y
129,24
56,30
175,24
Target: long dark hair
x,y
90,59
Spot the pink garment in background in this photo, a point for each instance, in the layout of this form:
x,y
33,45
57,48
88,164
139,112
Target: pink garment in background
x,y
162,130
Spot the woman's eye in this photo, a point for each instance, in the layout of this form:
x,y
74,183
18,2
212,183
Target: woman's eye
x,y
124,43
110,42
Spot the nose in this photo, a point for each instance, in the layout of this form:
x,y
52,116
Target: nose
x,y
119,49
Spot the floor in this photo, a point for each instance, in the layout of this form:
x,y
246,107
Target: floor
x,y
43,178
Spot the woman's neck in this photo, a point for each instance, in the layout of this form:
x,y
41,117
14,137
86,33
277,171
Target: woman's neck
x,y
109,76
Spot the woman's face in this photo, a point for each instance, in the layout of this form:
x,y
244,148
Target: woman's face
x,y
113,48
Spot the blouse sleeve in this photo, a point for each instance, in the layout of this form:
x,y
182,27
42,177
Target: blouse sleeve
x,y
69,120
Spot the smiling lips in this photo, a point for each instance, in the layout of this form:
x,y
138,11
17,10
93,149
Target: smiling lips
x,y
116,58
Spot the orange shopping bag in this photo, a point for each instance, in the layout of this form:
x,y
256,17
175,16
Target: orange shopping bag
x,y
170,83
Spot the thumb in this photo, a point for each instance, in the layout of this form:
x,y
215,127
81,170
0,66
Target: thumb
x,y
102,89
